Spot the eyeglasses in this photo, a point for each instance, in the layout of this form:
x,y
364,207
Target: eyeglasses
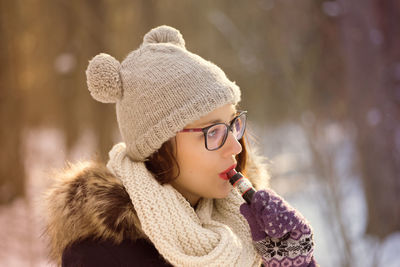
x,y
215,135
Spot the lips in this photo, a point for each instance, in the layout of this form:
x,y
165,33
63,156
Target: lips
x,y
224,174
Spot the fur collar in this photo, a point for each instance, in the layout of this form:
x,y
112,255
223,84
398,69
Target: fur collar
x,y
86,200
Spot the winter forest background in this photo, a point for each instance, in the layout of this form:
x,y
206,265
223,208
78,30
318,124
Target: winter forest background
x,y
320,79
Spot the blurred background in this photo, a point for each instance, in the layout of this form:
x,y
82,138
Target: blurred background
x,y
320,79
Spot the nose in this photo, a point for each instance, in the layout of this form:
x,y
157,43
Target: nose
x,y
231,146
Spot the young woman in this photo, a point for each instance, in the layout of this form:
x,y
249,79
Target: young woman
x,y
163,198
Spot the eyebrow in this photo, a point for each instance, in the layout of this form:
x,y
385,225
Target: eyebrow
x,y
218,120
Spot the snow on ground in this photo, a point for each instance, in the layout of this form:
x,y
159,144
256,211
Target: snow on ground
x,y
21,222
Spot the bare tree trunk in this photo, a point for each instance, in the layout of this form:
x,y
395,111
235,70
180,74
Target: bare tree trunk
x,y
370,52
66,80
12,173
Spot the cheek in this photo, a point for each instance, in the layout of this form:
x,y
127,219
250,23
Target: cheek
x,y
198,170
193,158
191,154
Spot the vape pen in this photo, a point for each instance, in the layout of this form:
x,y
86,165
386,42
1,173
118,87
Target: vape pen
x,y
242,184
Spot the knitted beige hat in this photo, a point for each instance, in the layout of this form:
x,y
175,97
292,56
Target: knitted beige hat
x,y
158,89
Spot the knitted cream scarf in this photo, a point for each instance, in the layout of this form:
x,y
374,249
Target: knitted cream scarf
x,y
215,234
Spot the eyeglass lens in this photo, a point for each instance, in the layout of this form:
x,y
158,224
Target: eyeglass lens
x,y
216,135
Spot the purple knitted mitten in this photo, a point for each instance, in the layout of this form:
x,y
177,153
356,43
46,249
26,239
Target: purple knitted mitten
x,y
281,234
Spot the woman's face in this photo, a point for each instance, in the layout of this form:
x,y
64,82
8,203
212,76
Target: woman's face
x,y
199,167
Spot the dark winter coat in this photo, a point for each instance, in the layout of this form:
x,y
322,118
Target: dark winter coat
x,y
89,252
92,222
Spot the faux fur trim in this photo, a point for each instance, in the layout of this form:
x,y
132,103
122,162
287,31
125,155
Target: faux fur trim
x,y
86,200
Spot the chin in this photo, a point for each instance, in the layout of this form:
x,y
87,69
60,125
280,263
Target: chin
x,y
222,194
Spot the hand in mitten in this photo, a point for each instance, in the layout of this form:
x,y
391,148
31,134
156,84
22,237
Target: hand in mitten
x,y
280,232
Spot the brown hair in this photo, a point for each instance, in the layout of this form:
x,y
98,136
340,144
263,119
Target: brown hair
x,y
163,162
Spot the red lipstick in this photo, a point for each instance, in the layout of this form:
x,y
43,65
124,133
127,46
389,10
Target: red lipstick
x,y
242,184
224,174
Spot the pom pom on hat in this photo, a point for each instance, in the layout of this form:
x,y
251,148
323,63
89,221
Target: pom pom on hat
x,y
103,78
164,34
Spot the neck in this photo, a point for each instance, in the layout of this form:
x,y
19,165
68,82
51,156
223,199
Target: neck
x,y
194,201
192,198
195,205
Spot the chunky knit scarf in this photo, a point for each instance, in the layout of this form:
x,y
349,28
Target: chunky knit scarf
x,y
215,234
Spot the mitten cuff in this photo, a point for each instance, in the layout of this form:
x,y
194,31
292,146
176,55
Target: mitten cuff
x,y
286,251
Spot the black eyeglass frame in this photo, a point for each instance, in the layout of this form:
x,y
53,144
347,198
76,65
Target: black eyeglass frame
x,y
228,128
